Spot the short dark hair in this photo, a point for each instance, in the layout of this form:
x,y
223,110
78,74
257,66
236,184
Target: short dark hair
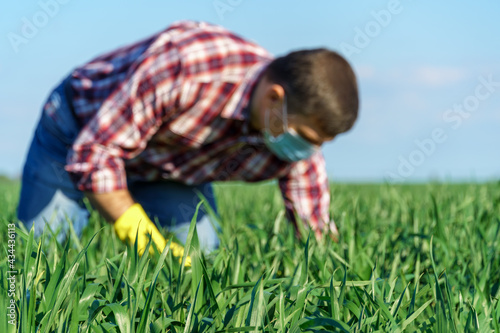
x,y
319,83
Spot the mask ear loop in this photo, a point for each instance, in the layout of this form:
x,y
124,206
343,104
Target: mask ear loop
x,y
266,122
285,115
284,120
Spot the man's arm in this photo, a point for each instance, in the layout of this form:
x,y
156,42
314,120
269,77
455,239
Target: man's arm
x,y
119,131
125,123
111,205
306,192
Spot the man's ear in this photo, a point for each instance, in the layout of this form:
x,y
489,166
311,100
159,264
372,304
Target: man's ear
x,y
273,96
277,95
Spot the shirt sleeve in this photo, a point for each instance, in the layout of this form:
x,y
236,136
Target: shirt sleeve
x,y
125,123
306,192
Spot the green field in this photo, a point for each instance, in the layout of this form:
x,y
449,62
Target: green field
x,y
413,258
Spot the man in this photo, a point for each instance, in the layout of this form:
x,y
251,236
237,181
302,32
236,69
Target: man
x,y
145,129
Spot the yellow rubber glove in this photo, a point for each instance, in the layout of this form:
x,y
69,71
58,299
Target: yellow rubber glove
x,y
135,218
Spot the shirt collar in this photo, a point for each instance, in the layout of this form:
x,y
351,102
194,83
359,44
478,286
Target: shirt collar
x,y
237,106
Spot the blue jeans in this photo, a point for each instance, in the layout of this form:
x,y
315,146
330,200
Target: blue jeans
x,y
48,196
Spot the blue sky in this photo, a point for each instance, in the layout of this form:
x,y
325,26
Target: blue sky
x,y
429,72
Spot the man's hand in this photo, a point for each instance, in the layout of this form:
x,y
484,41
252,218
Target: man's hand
x,y
330,229
130,219
333,232
134,222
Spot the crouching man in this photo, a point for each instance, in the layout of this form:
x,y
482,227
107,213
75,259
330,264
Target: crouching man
x,y
142,130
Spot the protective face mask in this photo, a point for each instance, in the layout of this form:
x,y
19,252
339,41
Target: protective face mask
x,y
289,145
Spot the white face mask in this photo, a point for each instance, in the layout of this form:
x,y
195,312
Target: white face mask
x,y
289,145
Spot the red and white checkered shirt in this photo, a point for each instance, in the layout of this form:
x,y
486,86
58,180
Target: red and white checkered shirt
x,y
175,106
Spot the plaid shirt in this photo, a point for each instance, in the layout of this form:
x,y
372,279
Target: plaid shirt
x,y
175,106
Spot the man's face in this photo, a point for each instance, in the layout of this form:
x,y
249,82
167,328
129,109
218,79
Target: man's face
x,y
307,127
269,113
